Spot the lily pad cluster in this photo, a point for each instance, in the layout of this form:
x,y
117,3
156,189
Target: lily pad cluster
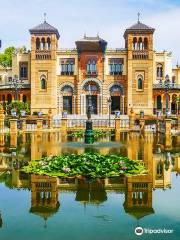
x,y
91,165
97,133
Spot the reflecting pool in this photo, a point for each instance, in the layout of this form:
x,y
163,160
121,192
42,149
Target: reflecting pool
x,y
40,207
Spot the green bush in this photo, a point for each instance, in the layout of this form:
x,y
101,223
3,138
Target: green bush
x,y
18,107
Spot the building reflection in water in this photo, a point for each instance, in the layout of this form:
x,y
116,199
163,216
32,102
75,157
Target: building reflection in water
x,y
44,196
1,221
160,156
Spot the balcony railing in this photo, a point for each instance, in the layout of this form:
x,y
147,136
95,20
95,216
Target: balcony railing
x,y
163,86
10,86
67,73
89,73
43,55
140,54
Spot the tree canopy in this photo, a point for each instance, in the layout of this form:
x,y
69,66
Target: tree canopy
x,y
6,57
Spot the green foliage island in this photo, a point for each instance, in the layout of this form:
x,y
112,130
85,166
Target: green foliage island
x,y
90,165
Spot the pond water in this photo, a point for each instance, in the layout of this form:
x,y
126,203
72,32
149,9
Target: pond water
x,y
40,207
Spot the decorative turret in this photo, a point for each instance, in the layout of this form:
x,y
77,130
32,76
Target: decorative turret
x,y
44,45
139,39
44,41
140,60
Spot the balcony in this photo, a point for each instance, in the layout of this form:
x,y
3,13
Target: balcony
x,y
67,73
163,86
140,54
43,55
20,86
91,74
116,73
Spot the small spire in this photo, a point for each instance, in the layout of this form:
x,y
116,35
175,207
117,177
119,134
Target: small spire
x,y
84,34
45,17
177,65
139,17
98,34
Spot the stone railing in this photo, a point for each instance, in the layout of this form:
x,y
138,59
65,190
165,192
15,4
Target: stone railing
x,y
72,123
43,55
163,86
140,54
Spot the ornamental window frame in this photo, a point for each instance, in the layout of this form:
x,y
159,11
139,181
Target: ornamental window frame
x,y
141,86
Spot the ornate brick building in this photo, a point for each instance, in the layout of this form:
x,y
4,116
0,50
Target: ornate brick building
x,y
62,79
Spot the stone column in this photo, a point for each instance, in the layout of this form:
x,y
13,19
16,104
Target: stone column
x,y
64,124
23,124
123,104
13,125
178,122
74,103
157,126
142,124
167,126
1,119
117,128
132,117
39,124
50,119
13,139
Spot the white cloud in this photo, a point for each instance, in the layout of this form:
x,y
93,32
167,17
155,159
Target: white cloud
x,y
74,17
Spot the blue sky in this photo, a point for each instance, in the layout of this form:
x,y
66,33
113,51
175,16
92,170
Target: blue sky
x,y
109,18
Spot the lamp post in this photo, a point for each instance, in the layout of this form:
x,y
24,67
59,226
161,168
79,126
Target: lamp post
x,y
166,86
109,100
15,85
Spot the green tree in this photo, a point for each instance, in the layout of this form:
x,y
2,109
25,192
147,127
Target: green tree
x,y
6,57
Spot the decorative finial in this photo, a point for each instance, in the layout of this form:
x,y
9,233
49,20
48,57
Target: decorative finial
x,y
45,17
139,17
98,34
84,34
177,65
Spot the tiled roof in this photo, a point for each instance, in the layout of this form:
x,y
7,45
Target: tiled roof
x,y
139,27
44,28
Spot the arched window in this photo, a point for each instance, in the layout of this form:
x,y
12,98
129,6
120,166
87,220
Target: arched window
x,y
43,82
91,87
145,43
159,71
67,90
134,43
43,46
140,45
116,89
140,82
159,103
24,98
37,44
48,43
9,98
91,66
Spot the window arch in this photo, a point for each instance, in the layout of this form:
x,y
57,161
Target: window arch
x,y
140,44
134,43
24,98
37,44
48,43
140,82
145,43
159,71
67,89
91,66
43,82
43,46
